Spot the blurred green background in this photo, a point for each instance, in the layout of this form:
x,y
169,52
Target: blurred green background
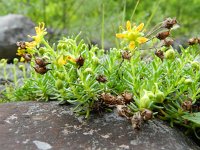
x,y
69,17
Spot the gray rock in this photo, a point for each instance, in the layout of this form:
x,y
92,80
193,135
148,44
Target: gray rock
x,y
13,28
45,126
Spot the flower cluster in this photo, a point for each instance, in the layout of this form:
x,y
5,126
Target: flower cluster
x,y
93,81
133,35
26,49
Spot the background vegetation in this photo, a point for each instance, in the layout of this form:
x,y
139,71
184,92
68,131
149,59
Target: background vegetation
x,y
69,17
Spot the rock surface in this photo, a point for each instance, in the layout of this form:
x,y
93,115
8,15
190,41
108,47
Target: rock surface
x,y
45,126
13,28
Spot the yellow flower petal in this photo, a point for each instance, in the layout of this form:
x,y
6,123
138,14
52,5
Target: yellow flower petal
x,y
120,35
70,58
22,59
141,40
132,45
61,61
140,27
128,26
31,45
20,52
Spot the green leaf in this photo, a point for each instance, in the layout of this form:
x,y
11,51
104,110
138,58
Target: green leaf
x,y
194,117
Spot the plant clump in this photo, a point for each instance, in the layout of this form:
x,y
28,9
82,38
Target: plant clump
x,y
165,86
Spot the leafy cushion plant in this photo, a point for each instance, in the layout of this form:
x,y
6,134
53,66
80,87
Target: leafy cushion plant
x,y
162,83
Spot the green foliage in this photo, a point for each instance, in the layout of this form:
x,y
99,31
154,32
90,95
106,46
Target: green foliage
x,y
195,117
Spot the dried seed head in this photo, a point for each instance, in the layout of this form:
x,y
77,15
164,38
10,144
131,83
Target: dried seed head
x,y
163,35
41,70
123,111
109,99
168,42
119,100
128,97
41,62
27,57
21,45
187,105
136,120
159,54
101,78
193,41
169,23
126,55
147,114
80,61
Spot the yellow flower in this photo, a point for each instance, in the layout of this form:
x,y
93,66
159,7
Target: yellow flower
x,y
20,52
62,60
31,45
40,33
133,35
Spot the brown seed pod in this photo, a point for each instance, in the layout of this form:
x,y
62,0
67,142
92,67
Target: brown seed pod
x,y
147,114
41,62
101,78
163,35
193,41
120,100
169,23
27,57
21,45
126,55
108,99
128,97
168,42
159,54
80,61
187,105
41,70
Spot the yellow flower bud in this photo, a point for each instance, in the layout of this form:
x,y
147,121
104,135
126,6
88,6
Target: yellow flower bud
x,y
59,46
42,50
150,94
59,84
88,70
95,60
144,100
15,61
21,67
159,97
170,54
61,76
188,81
